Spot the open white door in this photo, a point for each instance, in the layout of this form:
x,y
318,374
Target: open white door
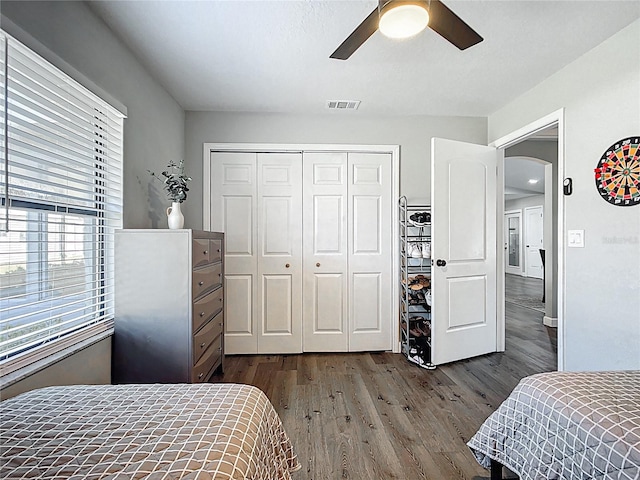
x,y
463,243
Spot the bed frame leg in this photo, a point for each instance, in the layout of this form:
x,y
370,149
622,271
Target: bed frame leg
x,y
496,470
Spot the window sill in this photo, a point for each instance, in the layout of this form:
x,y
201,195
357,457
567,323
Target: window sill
x,y
50,354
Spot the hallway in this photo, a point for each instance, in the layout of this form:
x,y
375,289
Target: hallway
x,y
524,291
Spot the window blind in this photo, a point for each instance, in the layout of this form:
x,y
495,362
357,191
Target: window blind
x,y
61,194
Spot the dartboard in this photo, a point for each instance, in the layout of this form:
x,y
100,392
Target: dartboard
x,y
618,173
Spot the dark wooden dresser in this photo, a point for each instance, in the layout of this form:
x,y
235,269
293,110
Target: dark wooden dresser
x,y
169,316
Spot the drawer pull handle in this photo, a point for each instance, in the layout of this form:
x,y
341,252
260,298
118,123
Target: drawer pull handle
x,y
218,250
206,252
220,324
202,345
201,375
200,283
287,265
318,264
202,314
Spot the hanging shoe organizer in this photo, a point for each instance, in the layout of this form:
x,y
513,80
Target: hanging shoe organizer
x,y
415,282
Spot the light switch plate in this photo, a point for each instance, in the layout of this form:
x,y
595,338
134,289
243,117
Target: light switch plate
x,y
575,239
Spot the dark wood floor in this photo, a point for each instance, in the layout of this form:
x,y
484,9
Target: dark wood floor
x,y
377,416
517,285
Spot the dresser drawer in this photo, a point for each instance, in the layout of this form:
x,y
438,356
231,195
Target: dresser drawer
x,y
215,249
207,307
200,251
206,335
206,278
207,361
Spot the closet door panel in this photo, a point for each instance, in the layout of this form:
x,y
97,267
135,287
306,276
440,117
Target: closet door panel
x,y
328,308
325,252
367,226
233,210
238,292
277,309
238,222
366,293
277,227
370,256
279,235
328,232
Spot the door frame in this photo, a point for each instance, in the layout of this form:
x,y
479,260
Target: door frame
x,y
554,118
505,235
393,150
526,232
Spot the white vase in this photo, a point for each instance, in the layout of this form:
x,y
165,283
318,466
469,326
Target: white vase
x,y
174,216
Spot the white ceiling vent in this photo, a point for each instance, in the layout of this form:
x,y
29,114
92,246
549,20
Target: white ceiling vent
x,y
343,104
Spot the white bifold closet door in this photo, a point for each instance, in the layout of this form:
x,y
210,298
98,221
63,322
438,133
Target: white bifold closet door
x,y
347,251
336,295
257,201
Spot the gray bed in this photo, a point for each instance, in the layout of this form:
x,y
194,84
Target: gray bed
x,y
150,432
562,425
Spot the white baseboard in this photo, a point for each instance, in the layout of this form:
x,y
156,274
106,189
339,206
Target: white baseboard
x,y
550,321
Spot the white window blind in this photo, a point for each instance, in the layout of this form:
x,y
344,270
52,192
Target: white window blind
x,y
61,199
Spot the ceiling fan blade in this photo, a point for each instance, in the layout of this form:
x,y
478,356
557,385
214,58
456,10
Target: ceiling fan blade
x,y
360,35
451,27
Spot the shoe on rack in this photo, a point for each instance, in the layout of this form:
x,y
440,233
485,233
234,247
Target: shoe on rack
x,y
427,297
414,250
425,248
420,219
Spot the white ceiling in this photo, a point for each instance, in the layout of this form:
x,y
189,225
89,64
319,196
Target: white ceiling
x,y
273,56
517,173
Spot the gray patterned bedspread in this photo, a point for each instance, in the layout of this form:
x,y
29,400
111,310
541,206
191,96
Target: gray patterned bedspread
x,y
563,425
151,432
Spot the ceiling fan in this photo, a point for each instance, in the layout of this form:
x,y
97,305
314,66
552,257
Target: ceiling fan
x,y
404,18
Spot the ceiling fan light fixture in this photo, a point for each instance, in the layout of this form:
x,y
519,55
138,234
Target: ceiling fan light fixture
x,y
403,19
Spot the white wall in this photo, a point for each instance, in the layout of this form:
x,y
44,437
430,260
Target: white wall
x,y
602,286
521,203
413,134
154,129
153,134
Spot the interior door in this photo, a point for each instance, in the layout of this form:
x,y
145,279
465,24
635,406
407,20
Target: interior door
x,y
513,242
463,243
325,252
533,231
370,257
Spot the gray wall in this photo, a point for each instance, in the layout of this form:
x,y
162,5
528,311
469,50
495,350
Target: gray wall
x,y
521,203
543,149
153,133
85,367
602,291
413,134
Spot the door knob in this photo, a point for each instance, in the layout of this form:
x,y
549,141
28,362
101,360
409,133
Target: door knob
x,y
441,263
318,264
